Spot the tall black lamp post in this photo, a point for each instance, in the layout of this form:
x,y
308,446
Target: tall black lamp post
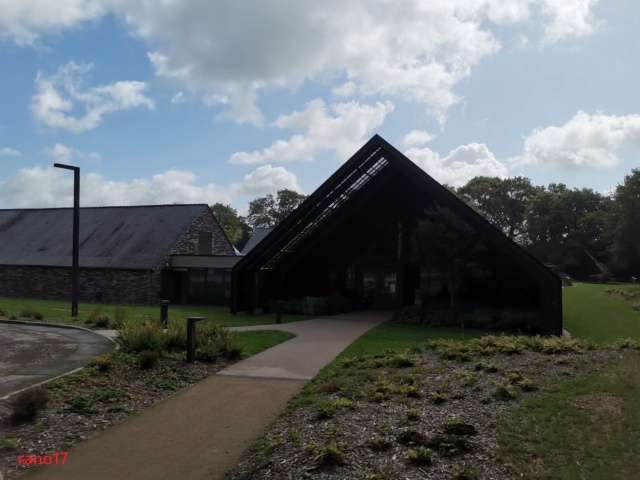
x,y
76,236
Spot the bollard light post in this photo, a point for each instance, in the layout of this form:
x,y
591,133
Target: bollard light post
x,y
279,308
191,338
164,313
76,236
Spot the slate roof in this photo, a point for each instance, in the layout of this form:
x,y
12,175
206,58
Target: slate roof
x,y
256,237
134,237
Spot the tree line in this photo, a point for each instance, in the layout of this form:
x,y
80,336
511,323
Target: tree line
x,y
556,224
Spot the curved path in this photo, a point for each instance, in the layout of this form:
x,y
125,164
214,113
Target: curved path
x,y
33,353
200,432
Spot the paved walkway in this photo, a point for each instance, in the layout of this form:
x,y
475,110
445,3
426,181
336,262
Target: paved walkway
x,y
33,353
200,432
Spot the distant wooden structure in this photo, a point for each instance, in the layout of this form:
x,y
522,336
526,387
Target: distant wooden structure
x,y
605,275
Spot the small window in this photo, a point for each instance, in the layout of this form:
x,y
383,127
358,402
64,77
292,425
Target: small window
x,y
204,243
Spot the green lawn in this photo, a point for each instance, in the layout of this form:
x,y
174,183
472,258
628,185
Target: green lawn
x,y
590,313
55,311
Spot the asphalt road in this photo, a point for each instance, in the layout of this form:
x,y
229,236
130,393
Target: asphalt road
x,y
33,353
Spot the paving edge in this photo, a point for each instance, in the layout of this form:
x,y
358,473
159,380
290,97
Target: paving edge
x,y
58,325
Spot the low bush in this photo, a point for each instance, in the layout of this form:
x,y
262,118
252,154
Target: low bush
x,y
148,359
27,404
136,338
215,341
30,313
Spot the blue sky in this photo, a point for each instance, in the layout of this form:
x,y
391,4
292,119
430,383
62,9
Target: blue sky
x,y
212,101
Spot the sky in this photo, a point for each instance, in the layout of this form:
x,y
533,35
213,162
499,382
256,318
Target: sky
x,y
205,101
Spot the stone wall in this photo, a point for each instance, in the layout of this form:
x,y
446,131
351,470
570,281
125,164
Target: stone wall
x,y
206,222
129,287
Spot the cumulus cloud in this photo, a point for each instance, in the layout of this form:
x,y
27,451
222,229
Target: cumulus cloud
x,y
418,51
268,179
340,128
416,138
23,21
63,154
9,152
39,187
568,18
50,187
58,95
584,141
460,165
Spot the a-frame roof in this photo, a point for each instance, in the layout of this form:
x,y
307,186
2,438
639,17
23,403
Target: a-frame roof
x,y
136,237
378,181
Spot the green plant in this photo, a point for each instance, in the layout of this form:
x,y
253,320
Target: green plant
x,y
27,404
10,443
412,414
420,456
82,406
148,359
380,444
136,338
106,394
626,343
330,454
504,391
382,474
465,473
438,397
402,361
102,363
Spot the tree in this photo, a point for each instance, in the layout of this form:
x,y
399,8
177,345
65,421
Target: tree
x,y
626,244
502,201
562,223
267,211
234,225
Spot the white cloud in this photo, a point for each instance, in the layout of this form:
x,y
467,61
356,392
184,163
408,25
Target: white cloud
x,y
340,128
63,154
39,187
460,165
418,51
51,187
416,138
268,179
233,51
584,141
568,18
58,95
9,152
23,21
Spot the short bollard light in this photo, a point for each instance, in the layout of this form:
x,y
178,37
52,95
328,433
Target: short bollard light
x,y
327,306
164,313
279,308
191,338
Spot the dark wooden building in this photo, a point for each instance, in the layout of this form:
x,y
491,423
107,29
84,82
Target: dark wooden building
x,y
354,236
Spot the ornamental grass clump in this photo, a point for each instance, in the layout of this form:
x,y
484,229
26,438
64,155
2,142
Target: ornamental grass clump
x,y
27,404
136,338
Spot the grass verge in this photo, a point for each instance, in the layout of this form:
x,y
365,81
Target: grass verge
x,y
55,311
585,428
590,312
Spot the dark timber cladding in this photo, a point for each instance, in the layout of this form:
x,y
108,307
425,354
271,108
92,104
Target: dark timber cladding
x,y
375,197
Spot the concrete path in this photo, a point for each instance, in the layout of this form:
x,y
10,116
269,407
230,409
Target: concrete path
x,y
32,353
200,432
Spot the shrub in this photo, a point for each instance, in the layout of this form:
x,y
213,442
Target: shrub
x,y
176,336
27,404
214,341
330,454
82,406
148,359
102,363
120,318
137,338
421,456
10,444
30,313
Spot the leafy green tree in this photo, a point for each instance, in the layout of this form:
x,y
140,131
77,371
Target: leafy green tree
x,y
562,223
626,244
502,201
267,211
234,225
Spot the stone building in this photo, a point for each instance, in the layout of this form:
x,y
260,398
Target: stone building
x,y
128,255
